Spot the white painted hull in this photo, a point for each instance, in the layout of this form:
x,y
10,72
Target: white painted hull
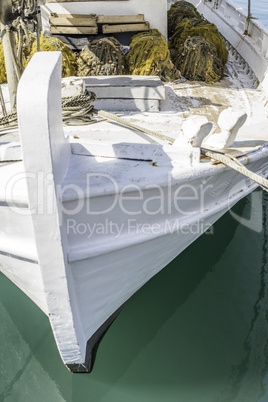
x,y
85,225
106,281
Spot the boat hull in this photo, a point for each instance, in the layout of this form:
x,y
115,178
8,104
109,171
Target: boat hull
x,y
111,264
96,226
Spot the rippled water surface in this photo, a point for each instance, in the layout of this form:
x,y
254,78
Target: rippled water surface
x,y
259,9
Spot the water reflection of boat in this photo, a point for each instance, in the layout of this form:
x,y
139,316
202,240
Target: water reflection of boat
x,y
19,354
84,226
192,338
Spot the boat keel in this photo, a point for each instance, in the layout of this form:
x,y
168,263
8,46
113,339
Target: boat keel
x,y
92,346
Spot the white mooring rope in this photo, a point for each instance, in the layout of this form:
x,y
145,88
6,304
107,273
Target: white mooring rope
x,y
233,163
126,123
227,160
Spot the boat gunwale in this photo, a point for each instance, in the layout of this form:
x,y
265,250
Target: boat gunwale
x,y
177,176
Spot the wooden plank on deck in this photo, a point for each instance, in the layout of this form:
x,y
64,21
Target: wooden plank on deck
x,y
77,20
120,19
74,30
106,29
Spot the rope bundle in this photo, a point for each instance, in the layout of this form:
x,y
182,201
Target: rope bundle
x,y
29,6
101,57
76,110
149,55
10,120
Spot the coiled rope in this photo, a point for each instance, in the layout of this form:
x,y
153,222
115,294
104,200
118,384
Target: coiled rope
x,y
10,120
76,110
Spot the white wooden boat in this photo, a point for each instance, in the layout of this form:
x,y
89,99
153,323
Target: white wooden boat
x,y
91,213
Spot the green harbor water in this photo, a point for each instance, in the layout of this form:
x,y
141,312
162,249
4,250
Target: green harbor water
x,y
197,332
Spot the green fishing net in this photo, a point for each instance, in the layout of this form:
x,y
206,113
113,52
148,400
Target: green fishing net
x,y
197,60
149,55
3,76
54,44
188,28
46,44
179,11
101,57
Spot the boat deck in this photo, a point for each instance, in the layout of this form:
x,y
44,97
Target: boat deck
x,y
237,89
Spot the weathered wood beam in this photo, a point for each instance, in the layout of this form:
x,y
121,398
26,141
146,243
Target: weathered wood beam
x,y
76,20
74,30
120,19
125,28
